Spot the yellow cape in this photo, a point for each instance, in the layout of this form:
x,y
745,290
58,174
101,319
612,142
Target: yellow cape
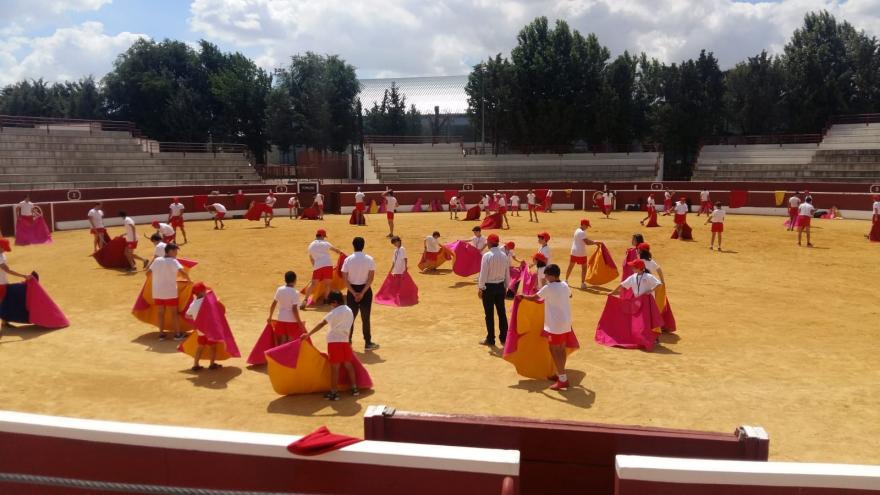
x,y
146,309
532,357
190,345
599,272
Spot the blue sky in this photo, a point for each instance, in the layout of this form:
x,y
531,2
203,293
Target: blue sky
x,y
68,39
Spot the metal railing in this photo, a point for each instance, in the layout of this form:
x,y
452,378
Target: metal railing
x,y
778,139
555,149
60,124
375,139
174,147
860,118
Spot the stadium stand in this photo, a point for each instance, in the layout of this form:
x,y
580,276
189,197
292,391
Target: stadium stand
x,y
62,154
426,162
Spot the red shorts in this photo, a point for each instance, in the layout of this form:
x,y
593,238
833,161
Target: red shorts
x,y
218,215
556,338
531,207
502,210
165,302
514,207
390,215
177,221
359,207
131,245
580,260
340,352
323,273
792,211
717,227
680,219
606,209
203,340
98,231
168,238
290,328
706,205
803,221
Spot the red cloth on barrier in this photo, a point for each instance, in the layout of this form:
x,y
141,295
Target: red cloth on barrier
x,y
738,199
199,201
320,442
493,221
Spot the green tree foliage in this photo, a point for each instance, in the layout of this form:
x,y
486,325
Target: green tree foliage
x,y
493,82
390,117
76,100
755,91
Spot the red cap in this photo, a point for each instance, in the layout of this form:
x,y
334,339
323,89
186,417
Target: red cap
x,y
545,235
5,246
175,199
637,264
493,239
510,245
539,257
643,246
321,233
585,221
155,224
199,287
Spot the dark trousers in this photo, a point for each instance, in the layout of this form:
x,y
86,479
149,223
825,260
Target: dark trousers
x,y
493,298
364,306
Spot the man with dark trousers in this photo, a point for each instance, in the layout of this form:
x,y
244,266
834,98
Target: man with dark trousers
x,y
492,287
359,269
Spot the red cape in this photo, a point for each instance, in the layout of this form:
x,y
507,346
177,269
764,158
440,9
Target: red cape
x,y
874,236
112,255
473,213
493,221
310,213
686,233
652,218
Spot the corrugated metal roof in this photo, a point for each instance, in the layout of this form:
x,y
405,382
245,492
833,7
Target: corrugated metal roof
x,y
446,92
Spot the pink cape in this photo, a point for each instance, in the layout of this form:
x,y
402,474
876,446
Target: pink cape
x,y
493,221
417,206
42,310
686,233
467,258
211,321
398,290
264,343
632,254
288,355
31,230
629,322
383,205
529,283
516,274
652,218
788,222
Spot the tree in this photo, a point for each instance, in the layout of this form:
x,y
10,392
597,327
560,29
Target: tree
x,y
622,107
492,81
753,99
413,122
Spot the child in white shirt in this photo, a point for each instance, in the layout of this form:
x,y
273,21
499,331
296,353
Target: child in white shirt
x,y
340,318
557,320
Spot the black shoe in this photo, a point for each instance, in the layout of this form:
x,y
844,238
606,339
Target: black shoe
x,y
372,346
487,342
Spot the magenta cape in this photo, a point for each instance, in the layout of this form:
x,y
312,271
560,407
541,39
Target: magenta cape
x,y
264,343
417,206
629,322
632,254
686,233
467,258
652,217
211,321
31,230
493,221
42,309
297,367
112,255
473,213
874,236
516,274
398,290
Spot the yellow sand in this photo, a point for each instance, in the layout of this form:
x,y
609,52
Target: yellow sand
x,y
769,334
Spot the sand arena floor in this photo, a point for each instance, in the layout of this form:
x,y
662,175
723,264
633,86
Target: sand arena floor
x,y
769,334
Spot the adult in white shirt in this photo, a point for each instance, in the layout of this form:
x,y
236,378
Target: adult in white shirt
x,y
340,319
165,271
5,247
165,230
322,265
288,326
319,205
218,212
492,287
454,207
269,208
390,206
531,200
514,204
478,241
557,321
681,210
579,243
175,217
794,202
293,207
543,250
705,203
359,270
805,214
96,225
716,218
131,241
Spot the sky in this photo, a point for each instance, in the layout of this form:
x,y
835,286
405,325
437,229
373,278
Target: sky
x,y
68,39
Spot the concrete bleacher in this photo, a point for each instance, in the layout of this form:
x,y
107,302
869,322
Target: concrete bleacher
x,y
852,137
53,158
446,163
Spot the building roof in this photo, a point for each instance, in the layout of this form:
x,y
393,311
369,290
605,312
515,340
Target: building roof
x,y
446,92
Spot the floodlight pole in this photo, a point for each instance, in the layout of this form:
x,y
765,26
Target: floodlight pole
x,y
483,108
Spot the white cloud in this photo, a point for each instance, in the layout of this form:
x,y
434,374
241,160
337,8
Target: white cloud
x,y
412,37
67,54
33,9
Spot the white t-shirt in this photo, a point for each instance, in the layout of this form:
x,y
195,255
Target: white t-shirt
x,y
96,217
667,195
165,277
607,199
704,195
319,199
806,210
357,267
292,201
193,310
220,208
359,197
432,245
287,298
26,208
794,202
130,235
514,200
320,252
557,307
578,248
270,200
398,261
391,204
876,208
176,209
502,202
478,242
453,201
651,266
641,283
340,320
159,251
530,198
545,250
681,208
651,201
165,229
718,216
3,279
549,193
